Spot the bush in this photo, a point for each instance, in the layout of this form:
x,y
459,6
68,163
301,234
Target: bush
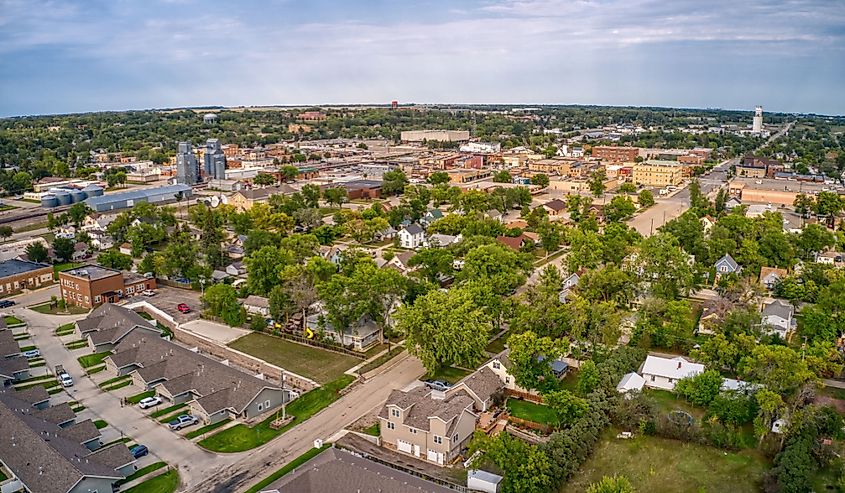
x,y
701,389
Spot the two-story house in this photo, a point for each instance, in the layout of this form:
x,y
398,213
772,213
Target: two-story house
x,y
726,265
412,236
778,317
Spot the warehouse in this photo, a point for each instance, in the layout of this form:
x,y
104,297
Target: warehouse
x,y
125,200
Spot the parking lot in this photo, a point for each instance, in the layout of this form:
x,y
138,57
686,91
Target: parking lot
x,y
167,299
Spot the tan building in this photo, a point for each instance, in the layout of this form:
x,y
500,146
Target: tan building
x,y
616,154
243,200
438,135
550,166
458,177
751,170
93,285
655,173
16,275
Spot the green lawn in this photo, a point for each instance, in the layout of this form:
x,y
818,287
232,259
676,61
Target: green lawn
x,y
90,360
26,348
112,381
100,424
77,344
155,466
63,267
134,399
384,358
241,437
302,459
168,410
318,364
47,384
373,430
669,466
497,345
50,309
12,320
95,370
667,401
164,483
118,385
206,429
537,413
168,418
448,373
3,477
66,329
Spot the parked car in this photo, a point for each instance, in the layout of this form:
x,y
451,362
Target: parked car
x,y
438,385
6,303
148,292
148,402
183,308
183,421
32,353
139,451
66,380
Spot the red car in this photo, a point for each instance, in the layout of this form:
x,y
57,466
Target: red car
x,y
183,308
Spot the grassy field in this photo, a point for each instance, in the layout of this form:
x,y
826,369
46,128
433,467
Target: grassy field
x,y
241,437
302,459
532,412
449,374
669,466
497,345
90,360
12,320
49,309
168,410
207,428
164,483
317,364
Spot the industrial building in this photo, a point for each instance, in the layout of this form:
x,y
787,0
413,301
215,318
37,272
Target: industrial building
x,y
214,160
438,135
187,169
67,195
125,200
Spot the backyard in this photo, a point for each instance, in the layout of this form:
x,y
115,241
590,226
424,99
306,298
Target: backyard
x,y
318,364
530,411
241,437
448,373
661,464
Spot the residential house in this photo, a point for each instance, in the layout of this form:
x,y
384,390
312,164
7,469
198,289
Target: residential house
x,y
430,425
713,313
125,248
570,282
836,259
214,390
401,262
80,251
333,254
555,207
431,216
236,269
257,305
482,385
726,265
732,203
707,222
440,241
386,234
515,243
360,336
244,199
778,317
412,236
13,366
771,276
664,373
495,215
108,324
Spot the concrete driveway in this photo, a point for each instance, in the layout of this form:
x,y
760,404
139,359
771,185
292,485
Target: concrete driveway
x,y
212,330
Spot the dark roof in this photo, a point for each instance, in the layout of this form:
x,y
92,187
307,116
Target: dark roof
x,y
414,229
109,323
483,383
82,432
338,471
58,414
15,266
556,205
8,345
92,272
10,366
33,395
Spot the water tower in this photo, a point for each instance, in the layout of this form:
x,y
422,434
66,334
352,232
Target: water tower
x,y
757,126
209,119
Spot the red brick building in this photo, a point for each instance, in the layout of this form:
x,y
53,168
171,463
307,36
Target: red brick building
x,y
93,285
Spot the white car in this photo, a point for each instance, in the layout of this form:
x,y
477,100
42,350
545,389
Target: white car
x,y
66,380
148,402
148,292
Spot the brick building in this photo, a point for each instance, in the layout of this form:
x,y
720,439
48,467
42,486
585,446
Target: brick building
x,y
16,275
616,154
93,285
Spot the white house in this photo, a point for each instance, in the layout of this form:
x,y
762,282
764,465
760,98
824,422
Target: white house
x,y
412,236
707,223
630,382
770,276
257,305
664,373
830,258
779,317
569,283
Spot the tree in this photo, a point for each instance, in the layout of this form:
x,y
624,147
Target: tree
x,y
814,238
336,195
289,173
700,389
825,321
585,250
148,264
589,377
36,252
804,204
113,259
264,267
394,182
646,198
615,484
540,179
531,358
311,193
502,176
63,249
665,266
721,200
527,469
434,263
438,178
607,283
628,188
264,179
502,268
696,198
222,302
443,329
78,212
568,408
6,232
779,368
664,323
596,182
619,209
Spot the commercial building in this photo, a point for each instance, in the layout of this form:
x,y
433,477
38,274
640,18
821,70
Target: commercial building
x,y
214,160
654,173
93,285
243,200
437,135
777,192
616,154
16,274
187,169
126,200
481,147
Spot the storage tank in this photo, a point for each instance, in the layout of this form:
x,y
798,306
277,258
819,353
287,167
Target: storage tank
x,y
49,200
63,197
77,195
93,190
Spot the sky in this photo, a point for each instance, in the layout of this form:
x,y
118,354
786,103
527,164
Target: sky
x,y
78,56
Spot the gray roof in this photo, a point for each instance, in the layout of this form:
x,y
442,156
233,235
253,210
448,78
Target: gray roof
x,y
259,301
10,366
727,259
338,471
266,192
414,229
8,345
483,383
40,456
145,193
81,432
109,323
423,407
58,414
92,272
16,266
33,395
184,370
778,308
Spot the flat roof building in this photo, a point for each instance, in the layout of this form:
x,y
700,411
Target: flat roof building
x,y
437,135
655,173
126,200
16,274
93,285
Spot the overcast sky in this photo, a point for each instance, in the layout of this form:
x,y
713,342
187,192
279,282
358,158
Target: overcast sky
x,y
66,56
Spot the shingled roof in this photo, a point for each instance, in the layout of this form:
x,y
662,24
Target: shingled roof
x,y
8,345
423,407
109,323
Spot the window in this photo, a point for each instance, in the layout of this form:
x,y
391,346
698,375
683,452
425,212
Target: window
x,y
260,407
438,439
267,404
412,430
390,425
507,380
652,378
97,299
455,438
395,413
496,365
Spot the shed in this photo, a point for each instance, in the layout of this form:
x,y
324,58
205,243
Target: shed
x,y
478,480
631,381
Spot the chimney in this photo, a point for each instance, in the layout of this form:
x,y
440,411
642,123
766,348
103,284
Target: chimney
x,y
679,365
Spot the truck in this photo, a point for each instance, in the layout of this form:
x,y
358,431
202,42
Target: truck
x,y
63,376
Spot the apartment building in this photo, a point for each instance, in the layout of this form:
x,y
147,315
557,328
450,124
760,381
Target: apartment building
x,y
616,154
93,285
655,173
